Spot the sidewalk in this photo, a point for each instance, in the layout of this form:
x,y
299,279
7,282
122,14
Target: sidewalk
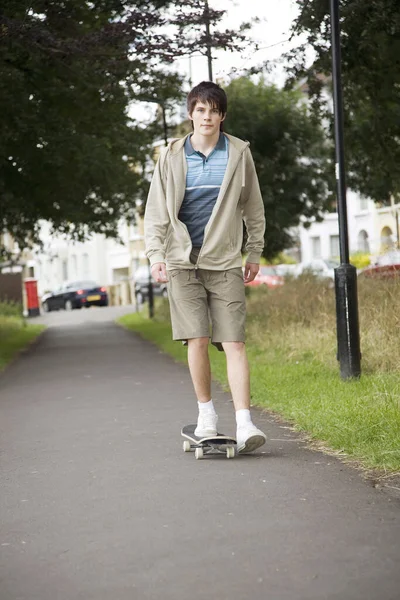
x,y
99,502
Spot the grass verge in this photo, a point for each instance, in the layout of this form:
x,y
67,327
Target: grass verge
x,y
358,420
15,333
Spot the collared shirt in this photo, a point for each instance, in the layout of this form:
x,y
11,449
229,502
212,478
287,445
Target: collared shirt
x,y
203,182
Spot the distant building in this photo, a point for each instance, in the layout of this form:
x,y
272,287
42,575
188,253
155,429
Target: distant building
x,y
372,230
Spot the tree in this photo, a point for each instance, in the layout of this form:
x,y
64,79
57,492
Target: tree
x,y
290,155
69,153
67,146
197,24
371,86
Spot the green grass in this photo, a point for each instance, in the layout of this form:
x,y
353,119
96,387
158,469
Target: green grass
x,y
15,335
356,419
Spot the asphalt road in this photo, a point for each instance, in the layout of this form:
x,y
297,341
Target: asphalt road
x,y
99,502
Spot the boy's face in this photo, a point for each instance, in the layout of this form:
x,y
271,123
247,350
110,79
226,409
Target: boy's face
x,y
206,119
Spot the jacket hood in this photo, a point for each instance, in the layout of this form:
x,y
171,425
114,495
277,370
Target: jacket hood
x,y
176,144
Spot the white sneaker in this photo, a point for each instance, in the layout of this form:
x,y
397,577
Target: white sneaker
x,y
249,438
206,425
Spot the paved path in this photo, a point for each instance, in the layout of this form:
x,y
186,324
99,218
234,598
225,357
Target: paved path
x,y
98,501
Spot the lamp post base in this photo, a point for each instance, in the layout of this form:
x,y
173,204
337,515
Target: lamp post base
x,y
348,355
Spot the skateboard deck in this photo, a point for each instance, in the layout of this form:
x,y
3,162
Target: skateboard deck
x,y
220,443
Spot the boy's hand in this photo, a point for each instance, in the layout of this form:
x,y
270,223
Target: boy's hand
x,y
250,271
159,272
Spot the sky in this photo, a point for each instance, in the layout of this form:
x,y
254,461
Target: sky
x,y
271,34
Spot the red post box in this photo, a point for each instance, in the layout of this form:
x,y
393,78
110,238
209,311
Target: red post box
x,y
32,299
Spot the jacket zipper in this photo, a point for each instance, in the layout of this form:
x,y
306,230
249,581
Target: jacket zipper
x,y
196,266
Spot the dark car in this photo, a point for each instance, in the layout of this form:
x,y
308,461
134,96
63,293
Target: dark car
x,y
75,295
141,278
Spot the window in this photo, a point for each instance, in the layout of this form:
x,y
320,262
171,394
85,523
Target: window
x,y
316,247
64,270
363,203
334,246
85,265
362,241
74,266
386,239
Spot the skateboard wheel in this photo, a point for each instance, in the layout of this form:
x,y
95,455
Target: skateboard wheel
x,y
199,453
230,452
186,446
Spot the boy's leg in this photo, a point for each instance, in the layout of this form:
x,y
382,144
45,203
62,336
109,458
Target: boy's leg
x,y
190,323
248,436
238,374
199,366
200,371
228,316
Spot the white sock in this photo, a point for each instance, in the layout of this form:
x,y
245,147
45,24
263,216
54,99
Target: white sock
x,y
206,407
243,417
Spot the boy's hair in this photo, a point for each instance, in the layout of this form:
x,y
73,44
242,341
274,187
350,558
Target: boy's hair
x,y
209,93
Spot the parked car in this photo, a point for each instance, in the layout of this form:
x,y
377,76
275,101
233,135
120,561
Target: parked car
x,y
75,295
141,278
267,275
386,266
286,270
321,268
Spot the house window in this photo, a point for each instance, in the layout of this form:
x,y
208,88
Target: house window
x,y
362,241
74,266
387,242
316,247
85,265
334,246
64,270
363,203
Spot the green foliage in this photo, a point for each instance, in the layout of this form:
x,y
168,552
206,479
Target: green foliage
x,y
290,154
370,46
67,145
283,259
15,333
10,309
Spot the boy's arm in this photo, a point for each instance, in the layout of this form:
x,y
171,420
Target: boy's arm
x,y
253,212
156,218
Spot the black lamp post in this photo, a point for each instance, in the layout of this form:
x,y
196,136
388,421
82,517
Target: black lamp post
x,y
348,336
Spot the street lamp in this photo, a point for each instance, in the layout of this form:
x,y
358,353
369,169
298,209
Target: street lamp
x,y
348,335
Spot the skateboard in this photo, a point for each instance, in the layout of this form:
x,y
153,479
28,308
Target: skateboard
x,y
220,443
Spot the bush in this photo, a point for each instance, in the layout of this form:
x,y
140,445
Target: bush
x,y
360,260
11,319
10,309
300,319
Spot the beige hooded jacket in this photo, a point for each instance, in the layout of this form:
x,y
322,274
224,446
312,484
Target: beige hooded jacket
x,y
167,239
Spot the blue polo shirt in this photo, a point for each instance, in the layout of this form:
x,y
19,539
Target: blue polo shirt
x,y
203,182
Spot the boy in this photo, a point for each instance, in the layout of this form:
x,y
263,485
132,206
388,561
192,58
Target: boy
x,y
204,186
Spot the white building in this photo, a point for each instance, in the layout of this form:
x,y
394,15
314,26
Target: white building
x,y
372,229
106,261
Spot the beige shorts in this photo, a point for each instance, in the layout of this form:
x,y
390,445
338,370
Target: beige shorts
x,y
206,303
